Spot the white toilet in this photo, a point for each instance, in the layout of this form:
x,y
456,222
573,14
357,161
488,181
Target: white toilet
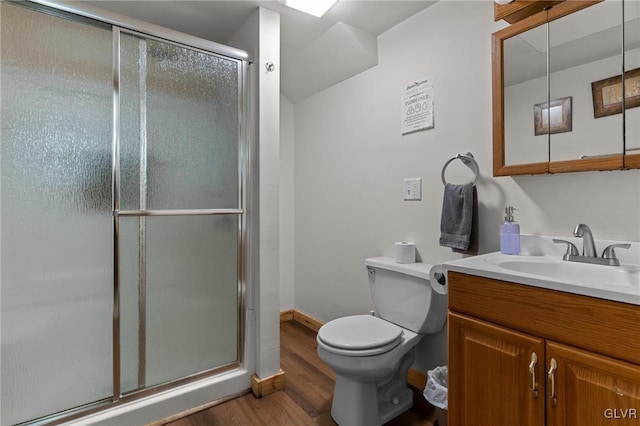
x,y
371,355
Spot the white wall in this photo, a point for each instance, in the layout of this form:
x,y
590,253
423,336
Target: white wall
x,y
350,160
261,35
287,205
268,362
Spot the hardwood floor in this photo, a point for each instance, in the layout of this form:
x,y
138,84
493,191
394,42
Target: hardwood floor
x,y
306,399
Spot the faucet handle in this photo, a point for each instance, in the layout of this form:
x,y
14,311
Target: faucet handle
x,y
609,252
572,250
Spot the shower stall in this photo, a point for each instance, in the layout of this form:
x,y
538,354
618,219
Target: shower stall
x,y
123,166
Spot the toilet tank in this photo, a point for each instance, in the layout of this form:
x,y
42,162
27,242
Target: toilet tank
x,y
402,295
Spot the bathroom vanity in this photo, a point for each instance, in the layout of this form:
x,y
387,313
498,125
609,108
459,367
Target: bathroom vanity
x,y
522,354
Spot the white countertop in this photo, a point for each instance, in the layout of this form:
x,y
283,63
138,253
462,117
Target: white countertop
x,y
617,283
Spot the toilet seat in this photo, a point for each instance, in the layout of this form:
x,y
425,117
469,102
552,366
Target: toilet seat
x,y
359,335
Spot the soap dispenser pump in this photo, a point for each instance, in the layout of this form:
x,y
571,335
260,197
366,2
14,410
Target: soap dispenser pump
x,y
509,233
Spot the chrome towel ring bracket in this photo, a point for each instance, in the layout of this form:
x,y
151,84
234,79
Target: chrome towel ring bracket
x,y
468,160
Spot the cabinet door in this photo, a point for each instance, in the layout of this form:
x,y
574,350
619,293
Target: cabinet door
x,y
489,376
591,390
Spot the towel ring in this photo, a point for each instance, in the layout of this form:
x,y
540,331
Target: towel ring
x,y
468,160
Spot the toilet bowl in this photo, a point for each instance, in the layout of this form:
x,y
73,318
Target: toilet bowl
x,y
371,355
371,386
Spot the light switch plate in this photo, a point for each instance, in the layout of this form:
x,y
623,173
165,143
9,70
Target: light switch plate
x,y
412,189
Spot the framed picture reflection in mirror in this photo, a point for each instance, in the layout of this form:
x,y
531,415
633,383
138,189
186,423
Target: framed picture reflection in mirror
x,y
552,117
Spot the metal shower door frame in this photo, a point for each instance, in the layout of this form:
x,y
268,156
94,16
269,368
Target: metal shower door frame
x,y
143,212
119,25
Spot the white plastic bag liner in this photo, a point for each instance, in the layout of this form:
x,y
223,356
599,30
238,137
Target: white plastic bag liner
x,y
436,390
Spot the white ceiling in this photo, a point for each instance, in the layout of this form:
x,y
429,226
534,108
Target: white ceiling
x,y
316,53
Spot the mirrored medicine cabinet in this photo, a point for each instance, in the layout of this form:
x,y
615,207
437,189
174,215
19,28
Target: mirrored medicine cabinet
x,y
557,90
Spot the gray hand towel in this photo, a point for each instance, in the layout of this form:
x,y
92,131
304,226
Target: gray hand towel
x,y
458,211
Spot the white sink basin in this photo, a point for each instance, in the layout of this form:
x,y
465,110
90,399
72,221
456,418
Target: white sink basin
x,y
619,283
574,272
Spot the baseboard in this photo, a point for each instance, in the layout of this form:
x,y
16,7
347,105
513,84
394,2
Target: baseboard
x,y
307,321
415,378
267,385
286,315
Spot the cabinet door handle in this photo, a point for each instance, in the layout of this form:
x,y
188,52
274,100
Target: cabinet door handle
x,y
553,366
532,374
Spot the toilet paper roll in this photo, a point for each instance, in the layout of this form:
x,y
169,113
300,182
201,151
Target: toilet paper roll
x,y
438,280
405,252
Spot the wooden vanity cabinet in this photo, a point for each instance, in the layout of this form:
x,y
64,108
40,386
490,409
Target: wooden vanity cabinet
x,y
487,384
586,367
592,389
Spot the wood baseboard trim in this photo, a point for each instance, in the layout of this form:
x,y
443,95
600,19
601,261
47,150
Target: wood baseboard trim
x,y
307,321
302,318
415,378
267,385
286,315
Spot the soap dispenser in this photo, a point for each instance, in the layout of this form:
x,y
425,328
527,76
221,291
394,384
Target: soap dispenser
x,y
509,233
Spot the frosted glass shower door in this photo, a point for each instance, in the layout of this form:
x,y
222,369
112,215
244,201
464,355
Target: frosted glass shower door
x,y
179,211
56,266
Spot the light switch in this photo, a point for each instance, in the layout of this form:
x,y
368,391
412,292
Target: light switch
x,y
412,189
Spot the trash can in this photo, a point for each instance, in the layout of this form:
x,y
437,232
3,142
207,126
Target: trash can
x,y
436,392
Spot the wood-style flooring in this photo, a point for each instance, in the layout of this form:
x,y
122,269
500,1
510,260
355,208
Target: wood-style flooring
x,y
306,399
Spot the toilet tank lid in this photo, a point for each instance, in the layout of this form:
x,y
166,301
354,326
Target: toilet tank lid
x,y
420,270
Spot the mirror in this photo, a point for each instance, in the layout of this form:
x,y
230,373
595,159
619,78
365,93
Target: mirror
x,y
585,59
525,85
632,83
547,71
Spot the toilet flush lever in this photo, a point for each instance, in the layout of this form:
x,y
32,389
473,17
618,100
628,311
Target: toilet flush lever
x,y
370,270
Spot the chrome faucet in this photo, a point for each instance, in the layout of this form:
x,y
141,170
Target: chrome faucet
x,y
588,245
589,253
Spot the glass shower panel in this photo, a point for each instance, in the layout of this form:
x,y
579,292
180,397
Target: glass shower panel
x,y
179,121
56,267
131,306
179,150
191,311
